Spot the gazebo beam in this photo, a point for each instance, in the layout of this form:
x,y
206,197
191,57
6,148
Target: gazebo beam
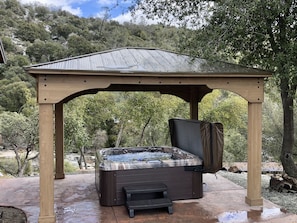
x,y
56,88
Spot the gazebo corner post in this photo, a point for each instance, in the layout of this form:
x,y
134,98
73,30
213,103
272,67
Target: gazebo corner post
x,y
59,142
46,163
194,110
193,104
254,197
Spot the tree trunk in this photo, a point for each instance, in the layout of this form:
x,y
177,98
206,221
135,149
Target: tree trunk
x,y
23,167
82,158
79,161
26,162
119,137
142,132
19,161
288,136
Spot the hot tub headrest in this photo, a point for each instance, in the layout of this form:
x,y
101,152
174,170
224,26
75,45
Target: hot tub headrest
x,y
203,139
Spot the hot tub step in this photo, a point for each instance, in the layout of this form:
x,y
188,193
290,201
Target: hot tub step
x,y
145,189
149,204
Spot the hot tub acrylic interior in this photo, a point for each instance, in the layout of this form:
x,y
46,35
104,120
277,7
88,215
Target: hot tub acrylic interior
x,y
144,165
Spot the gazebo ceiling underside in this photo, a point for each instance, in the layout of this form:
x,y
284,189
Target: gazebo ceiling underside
x,y
176,90
141,63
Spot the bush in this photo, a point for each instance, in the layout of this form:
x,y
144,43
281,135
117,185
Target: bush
x,y
8,166
235,144
228,157
69,167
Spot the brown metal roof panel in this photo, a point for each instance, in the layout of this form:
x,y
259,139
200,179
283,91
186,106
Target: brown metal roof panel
x,y
161,59
146,61
135,60
120,59
129,59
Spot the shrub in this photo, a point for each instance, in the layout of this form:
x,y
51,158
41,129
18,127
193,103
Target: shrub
x,y
69,167
8,166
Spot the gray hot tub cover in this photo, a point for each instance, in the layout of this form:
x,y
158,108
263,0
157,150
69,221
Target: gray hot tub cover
x,y
201,138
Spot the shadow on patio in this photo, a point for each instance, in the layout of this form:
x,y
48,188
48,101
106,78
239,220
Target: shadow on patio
x,y
76,200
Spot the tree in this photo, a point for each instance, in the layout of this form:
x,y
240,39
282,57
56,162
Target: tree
x,y
15,6
30,32
258,33
20,134
225,107
99,116
62,29
8,44
78,45
272,125
42,12
14,96
143,117
76,136
41,51
231,111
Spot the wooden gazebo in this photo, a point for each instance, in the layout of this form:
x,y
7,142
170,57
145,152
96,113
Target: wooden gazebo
x,y
139,69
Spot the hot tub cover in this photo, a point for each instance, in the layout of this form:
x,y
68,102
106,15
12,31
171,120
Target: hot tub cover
x,y
202,138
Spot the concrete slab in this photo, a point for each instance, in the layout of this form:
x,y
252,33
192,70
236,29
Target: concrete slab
x,y
76,200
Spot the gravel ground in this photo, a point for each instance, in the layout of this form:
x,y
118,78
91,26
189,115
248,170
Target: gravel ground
x,y
288,201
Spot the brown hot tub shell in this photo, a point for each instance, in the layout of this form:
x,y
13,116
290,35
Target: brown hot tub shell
x,y
183,182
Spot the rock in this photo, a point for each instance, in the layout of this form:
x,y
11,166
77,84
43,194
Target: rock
x,y
12,214
281,184
234,169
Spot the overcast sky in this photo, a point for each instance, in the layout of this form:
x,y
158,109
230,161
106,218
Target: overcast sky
x,y
117,9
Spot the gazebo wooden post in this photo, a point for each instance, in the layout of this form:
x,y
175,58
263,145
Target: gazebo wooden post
x,y
193,105
46,165
59,134
253,197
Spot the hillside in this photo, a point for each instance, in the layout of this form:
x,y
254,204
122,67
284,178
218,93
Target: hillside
x,y
35,34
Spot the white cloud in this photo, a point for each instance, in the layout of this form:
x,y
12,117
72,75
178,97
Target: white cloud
x,y
105,5
127,17
138,18
63,4
107,2
74,11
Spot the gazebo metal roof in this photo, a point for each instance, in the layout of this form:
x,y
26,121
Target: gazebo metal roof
x,y
144,60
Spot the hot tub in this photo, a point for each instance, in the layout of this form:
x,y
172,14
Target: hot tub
x,y
176,168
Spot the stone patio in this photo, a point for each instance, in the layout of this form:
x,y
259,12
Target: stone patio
x,y
76,200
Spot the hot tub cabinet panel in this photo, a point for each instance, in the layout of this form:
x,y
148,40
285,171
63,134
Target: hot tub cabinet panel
x,y
181,183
